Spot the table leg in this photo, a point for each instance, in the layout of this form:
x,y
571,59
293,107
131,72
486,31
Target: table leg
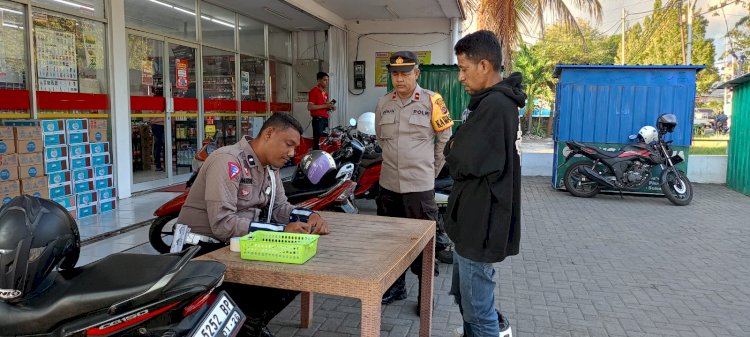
x,y
370,324
306,313
428,266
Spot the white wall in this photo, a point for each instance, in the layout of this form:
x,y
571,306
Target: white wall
x,y
439,44
707,169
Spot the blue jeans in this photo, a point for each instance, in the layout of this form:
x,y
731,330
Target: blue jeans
x,y
473,288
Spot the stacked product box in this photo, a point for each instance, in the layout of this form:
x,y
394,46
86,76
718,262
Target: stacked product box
x,y
9,184
30,152
91,166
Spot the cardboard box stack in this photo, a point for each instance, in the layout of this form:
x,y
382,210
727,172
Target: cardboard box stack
x,y
74,154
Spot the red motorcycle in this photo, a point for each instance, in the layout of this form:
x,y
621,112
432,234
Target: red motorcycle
x,y
333,193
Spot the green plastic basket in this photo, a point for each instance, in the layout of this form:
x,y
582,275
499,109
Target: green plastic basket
x,y
278,247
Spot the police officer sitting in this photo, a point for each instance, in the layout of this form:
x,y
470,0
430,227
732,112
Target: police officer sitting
x,y
238,190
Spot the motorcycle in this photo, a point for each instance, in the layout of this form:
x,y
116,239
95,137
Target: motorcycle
x,y
629,168
105,298
331,193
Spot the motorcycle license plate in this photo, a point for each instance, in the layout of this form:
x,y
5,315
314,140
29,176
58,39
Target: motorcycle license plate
x,y
223,319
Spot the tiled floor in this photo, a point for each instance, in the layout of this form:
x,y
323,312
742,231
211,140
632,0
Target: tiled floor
x,y
129,211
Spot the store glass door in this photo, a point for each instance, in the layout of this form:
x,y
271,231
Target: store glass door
x,y
184,119
220,96
146,69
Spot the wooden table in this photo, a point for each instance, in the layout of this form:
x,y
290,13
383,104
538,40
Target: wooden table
x,y
361,257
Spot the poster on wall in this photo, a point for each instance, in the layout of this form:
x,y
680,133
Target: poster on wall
x,y
147,73
381,64
245,83
57,65
182,74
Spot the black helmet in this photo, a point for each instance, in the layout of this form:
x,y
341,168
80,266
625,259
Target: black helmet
x,y
666,123
316,165
36,236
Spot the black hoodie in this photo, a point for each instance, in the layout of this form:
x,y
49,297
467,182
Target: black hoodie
x,y
484,208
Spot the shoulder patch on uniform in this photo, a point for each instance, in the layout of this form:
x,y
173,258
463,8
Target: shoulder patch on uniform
x,y
233,170
441,118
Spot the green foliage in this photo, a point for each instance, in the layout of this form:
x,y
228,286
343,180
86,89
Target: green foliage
x,y
659,41
564,46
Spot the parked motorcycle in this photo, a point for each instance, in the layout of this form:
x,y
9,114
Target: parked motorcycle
x,y
629,169
169,295
333,192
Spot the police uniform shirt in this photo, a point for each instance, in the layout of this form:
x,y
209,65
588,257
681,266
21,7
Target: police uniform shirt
x,y
231,191
406,132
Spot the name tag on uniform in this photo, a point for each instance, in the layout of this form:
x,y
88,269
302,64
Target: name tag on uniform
x,y
246,180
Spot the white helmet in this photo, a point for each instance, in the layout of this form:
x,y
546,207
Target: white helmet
x,y
366,123
648,134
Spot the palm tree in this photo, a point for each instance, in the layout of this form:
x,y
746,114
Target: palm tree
x,y
537,78
510,18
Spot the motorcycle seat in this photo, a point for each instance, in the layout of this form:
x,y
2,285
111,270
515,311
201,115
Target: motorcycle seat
x,y
93,288
298,193
610,154
287,173
367,163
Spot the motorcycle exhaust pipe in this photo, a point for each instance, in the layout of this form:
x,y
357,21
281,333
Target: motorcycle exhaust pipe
x,y
595,176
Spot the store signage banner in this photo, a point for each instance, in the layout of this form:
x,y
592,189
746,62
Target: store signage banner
x,y
381,64
182,74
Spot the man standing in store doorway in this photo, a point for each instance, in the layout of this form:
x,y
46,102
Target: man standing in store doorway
x,y
407,122
319,106
157,130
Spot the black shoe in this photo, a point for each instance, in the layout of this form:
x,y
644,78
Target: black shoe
x,y
393,294
254,330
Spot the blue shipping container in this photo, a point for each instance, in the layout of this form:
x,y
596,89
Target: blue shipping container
x,y
607,103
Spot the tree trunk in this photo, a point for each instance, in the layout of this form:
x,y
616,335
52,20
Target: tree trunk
x,y
529,112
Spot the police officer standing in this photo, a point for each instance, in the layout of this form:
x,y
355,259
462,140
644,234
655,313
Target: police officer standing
x,y
408,120
238,190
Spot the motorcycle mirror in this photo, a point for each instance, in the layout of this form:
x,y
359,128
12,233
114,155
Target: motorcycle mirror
x,y
352,122
632,137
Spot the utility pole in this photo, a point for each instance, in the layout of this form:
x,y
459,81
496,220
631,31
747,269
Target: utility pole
x,y
624,27
682,32
689,50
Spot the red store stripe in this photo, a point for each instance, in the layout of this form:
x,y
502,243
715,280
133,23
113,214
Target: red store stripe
x,y
14,99
48,100
219,105
185,104
253,106
139,103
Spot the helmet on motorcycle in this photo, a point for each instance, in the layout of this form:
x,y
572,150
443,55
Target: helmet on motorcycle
x,y
666,123
316,165
36,236
648,134
366,123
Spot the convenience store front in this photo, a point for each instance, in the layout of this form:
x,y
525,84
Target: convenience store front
x,y
160,75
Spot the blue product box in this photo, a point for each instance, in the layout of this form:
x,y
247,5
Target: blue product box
x,y
54,139
106,206
60,191
83,174
86,211
78,138
83,186
7,146
103,183
79,150
52,166
77,125
56,152
100,159
67,201
53,126
81,162
102,171
86,198
58,178
97,148
107,193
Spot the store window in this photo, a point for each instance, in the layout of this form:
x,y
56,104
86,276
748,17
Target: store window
x,y
253,92
93,8
279,43
218,26
70,61
174,18
252,36
281,87
219,95
15,101
184,126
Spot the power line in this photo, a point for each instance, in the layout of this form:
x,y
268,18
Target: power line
x,y
661,21
628,5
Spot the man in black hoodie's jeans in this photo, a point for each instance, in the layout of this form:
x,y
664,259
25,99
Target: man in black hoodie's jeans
x,y
484,208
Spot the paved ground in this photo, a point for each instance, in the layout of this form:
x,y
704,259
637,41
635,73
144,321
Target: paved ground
x,y
596,267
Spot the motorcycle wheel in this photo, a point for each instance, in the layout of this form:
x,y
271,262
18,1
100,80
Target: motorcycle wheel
x,y
160,233
577,184
676,187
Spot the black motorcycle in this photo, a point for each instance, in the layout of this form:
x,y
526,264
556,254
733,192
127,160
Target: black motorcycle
x,y
629,169
169,295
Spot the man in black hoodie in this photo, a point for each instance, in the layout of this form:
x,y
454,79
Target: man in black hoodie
x,y
484,208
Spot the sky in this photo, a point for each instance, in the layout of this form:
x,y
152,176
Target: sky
x,y
717,28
